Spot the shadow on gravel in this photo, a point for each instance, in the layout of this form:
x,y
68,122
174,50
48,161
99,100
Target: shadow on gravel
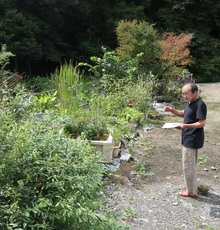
x,y
215,212
212,199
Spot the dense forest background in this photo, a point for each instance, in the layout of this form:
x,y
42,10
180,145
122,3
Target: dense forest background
x,y
44,33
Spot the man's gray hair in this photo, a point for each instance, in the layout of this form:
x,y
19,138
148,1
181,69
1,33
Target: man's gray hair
x,y
194,88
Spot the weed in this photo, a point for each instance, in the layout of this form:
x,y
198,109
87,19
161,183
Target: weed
x,y
203,189
140,169
202,160
132,200
130,213
200,225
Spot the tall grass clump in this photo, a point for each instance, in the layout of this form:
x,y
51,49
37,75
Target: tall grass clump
x,y
67,82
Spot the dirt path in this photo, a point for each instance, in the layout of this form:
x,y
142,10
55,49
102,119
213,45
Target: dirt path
x,y
153,204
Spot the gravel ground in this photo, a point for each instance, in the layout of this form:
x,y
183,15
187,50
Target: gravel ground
x,y
157,206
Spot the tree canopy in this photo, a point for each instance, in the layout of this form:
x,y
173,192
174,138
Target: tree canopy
x,y
44,33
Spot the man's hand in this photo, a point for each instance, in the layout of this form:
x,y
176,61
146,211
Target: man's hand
x,y
168,109
179,113
181,126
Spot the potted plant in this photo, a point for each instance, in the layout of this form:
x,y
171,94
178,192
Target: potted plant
x,y
87,129
93,130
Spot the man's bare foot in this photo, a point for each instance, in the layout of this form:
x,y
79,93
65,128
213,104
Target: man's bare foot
x,y
186,194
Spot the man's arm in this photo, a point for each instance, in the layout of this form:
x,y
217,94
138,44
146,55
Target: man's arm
x,y
198,124
179,113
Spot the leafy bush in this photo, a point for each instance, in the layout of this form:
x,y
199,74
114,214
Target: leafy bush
x,y
135,37
4,56
175,53
16,101
45,101
40,84
47,181
131,114
112,71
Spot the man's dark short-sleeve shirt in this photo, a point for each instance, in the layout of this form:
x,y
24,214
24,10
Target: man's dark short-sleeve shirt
x,y
194,138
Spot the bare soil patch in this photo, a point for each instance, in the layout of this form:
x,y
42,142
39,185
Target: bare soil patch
x,y
151,202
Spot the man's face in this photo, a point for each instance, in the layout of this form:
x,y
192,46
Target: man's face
x,y
187,94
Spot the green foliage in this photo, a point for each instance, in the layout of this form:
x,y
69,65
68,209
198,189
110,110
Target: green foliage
x,y
88,128
4,61
118,78
20,25
140,169
208,70
131,114
45,102
40,84
203,190
112,71
135,37
110,104
130,213
142,93
93,123
16,101
110,66
119,128
202,160
67,82
114,98
48,181
4,56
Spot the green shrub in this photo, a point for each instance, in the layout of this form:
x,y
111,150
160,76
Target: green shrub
x,y
47,181
135,37
131,114
16,101
40,84
4,56
113,72
44,102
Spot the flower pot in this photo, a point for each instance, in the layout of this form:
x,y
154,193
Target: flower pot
x,y
106,147
115,152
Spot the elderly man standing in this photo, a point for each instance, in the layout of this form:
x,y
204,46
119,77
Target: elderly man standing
x,y
194,115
